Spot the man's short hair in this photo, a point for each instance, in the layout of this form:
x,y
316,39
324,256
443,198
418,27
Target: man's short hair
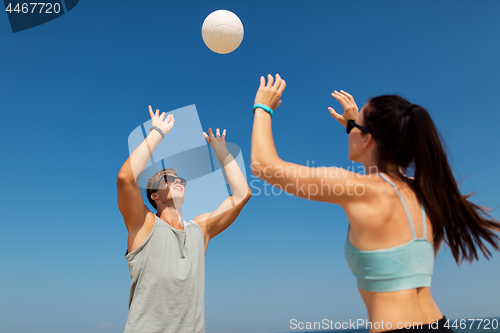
x,y
154,180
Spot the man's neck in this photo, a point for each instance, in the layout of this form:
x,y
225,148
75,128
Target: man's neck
x,y
172,216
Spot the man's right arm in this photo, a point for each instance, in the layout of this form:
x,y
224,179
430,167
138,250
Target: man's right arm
x,y
130,200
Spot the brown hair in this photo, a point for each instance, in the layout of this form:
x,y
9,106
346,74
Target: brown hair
x,y
409,138
154,180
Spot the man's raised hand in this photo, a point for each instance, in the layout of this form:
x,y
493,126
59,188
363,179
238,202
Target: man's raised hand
x,y
216,141
160,121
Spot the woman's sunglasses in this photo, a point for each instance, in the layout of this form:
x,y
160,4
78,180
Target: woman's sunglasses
x,y
351,124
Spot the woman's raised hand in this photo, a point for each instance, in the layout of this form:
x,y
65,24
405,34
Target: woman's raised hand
x,y
350,107
165,124
269,94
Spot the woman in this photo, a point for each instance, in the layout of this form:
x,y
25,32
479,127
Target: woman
x,y
397,223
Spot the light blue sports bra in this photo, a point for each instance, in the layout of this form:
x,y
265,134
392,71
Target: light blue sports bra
x,y
405,266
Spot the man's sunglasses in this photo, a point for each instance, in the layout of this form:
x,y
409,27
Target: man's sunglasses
x,y
351,124
171,179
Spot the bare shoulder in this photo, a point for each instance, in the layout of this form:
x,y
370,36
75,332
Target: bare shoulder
x,y
202,217
373,193
202,221
365,188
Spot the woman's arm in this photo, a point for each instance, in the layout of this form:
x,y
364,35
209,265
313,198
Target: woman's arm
x,y
329,184
263,149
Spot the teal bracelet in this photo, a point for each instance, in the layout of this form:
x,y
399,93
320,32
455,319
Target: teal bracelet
x,y
263,107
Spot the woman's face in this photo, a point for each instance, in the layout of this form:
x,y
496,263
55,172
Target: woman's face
x,y
357,139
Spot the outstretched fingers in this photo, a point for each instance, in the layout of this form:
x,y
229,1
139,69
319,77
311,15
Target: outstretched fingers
x,y
279,81
156,113
282,85
211,137
262,82
349,96
270,93
335,114
344,100
169,119
270,80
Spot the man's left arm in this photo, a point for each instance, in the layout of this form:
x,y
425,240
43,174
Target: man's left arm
x,y
217,221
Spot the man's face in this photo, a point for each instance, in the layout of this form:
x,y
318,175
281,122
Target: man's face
x,y
171,187
174,184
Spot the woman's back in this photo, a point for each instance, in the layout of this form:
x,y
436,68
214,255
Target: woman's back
x,y
392,262
380,221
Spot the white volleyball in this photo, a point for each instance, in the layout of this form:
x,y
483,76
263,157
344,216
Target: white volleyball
x,y
222,31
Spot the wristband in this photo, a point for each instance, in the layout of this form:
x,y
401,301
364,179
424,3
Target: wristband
x,y
159,131
263,107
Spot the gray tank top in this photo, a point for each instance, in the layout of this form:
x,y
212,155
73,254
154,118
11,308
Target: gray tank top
x,y
168,281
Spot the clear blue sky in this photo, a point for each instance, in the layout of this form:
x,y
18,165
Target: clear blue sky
x,y
73,89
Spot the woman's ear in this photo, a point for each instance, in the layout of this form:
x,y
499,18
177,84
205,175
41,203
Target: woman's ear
x,y
367,140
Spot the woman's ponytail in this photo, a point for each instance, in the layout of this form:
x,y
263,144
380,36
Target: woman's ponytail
x,y
463,225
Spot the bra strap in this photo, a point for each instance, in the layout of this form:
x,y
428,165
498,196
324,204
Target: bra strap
x,y
403,202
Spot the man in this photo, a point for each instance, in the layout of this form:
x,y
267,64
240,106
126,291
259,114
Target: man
x,y
165,254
